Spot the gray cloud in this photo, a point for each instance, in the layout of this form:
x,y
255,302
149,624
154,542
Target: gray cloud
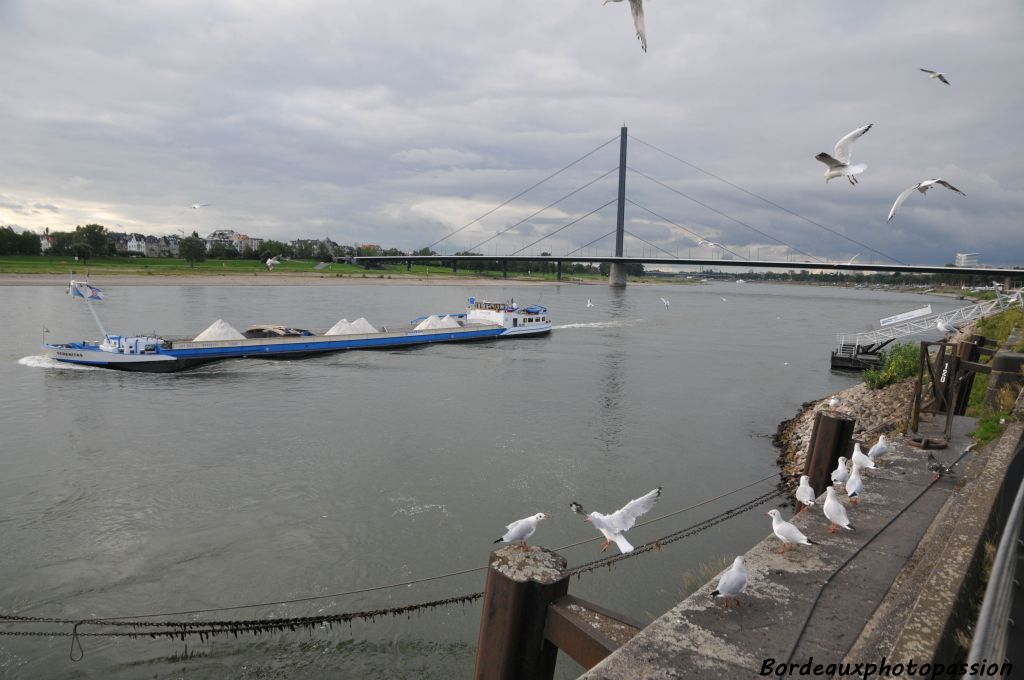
x,y
397,123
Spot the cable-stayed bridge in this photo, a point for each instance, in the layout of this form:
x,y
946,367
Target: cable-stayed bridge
x,y
616,257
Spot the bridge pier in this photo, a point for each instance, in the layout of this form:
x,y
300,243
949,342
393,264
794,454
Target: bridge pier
x,y
558,271
617,275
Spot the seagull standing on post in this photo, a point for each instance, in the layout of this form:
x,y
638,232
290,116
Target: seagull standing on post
x,y
637,8
521,529
611,526
839,165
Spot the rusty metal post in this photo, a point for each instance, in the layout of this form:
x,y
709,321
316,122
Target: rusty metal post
x,y
520,586
831,438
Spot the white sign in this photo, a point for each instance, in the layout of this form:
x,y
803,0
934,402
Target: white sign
x,y
906,316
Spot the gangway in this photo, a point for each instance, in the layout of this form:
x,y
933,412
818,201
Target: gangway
x,y
861,350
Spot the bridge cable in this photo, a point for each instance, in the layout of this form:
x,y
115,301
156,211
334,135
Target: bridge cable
x,y
578,219
523,192
674,224
590,244
766,200
550,205
728,217
640,238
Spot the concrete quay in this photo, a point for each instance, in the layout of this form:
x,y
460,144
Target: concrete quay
x,y
898,589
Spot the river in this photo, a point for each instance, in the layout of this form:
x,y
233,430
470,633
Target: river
x,y
248,481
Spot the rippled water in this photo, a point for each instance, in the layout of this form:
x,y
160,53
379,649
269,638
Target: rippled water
x,y
255,481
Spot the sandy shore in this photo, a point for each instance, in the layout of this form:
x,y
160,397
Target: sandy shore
x,y
275,279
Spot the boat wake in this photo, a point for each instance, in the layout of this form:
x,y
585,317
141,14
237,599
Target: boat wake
x,y
40,361
600,324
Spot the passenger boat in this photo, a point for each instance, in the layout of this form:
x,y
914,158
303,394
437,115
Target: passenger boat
x,y
150,353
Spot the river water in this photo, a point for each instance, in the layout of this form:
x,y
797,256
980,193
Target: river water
x,y
248,482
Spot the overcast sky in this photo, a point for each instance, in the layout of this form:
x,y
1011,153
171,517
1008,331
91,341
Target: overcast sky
x,y
399,122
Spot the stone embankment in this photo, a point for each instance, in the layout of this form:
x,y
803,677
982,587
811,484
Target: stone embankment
x,y
876,412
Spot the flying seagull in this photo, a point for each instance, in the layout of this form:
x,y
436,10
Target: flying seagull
x,y
664,302
272,262
850,261
637,7
840,164
521,529
932,75
732,583
197,206
589,303
787,533
923,187
612,526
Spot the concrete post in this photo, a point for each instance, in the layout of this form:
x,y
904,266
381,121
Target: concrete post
x,y
617,275
520,586
1006,372
558,271
831,438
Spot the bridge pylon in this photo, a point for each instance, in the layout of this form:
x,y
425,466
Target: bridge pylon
x,y
617,270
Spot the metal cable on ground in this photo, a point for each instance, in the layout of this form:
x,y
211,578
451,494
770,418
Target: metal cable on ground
x,y
549,205
766,200
692,233
578,219
846,562
523,192
726,216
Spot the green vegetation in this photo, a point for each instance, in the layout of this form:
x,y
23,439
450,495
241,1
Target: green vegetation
x,y
998,327
899,363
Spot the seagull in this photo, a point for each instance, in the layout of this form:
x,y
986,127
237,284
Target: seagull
x,y
272,262
664,302
850,261
835,511
521,529
804,493
840,165
854,485
725,299
835,401
589,303
933,75
732,582
787,533
612,526
840,474
861,460
880,448
923,187
197,206
946,328
637,7
938,469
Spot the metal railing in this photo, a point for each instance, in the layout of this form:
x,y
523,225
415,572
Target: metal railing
x,y
926,324
993,629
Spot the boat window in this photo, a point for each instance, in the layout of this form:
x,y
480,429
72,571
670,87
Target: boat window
x,y
515,322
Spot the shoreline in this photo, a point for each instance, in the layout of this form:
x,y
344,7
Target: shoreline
x,y
280,279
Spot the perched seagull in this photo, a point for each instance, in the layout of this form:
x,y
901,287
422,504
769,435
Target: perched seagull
x,y
854,485
664,302
938,469
197,206
923,187
835,512
835,401
840,474
272,262
637,8
589,303
804,493
612,526
880,448
840,164
861,460
933,75
946,328
787,533
521,529
732,582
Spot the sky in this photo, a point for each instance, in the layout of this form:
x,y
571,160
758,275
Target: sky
x,y
399,123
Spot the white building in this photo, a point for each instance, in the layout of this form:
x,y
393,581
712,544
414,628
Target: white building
x,y
966,260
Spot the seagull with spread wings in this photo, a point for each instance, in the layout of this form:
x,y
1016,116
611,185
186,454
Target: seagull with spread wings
x,y
839,165
935,75
197,206
612,526
923,187
637,8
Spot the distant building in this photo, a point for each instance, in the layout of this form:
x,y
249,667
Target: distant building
x,y
966,260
